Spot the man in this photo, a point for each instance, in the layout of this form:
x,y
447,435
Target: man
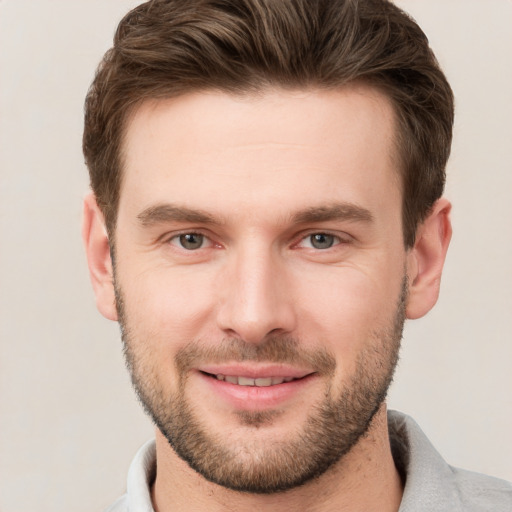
x,y
266,212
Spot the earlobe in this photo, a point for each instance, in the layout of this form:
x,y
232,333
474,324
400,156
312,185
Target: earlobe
x,y
426,259
97,249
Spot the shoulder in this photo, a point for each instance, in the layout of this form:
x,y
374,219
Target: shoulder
x,y
431,484
120,505
479,493
141,474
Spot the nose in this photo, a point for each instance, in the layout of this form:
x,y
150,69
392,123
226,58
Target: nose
x,y
256,299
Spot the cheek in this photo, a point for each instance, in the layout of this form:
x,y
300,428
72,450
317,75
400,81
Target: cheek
x,y
167,307
347,310
163,312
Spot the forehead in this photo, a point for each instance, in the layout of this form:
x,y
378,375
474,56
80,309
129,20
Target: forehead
x,y
277,146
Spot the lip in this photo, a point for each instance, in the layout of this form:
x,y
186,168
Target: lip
x,y
254,398
255,371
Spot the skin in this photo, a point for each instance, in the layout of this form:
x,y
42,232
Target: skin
x,y
254,165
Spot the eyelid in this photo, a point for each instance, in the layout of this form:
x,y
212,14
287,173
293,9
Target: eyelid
x,y
341,238
176,242
175,235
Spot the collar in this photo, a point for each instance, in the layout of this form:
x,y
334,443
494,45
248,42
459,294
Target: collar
x,y
430,483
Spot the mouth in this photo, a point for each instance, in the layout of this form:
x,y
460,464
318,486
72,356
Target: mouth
x,y
255,387
261,382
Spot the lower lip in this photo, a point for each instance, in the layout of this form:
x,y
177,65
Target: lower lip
x,y
256,398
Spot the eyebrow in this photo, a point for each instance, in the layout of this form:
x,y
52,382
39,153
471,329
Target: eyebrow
x,y
336,211
162,213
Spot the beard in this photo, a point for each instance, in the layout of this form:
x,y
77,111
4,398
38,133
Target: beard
x,y
253,464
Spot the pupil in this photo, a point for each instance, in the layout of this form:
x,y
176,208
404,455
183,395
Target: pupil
x,y
322,241
191,241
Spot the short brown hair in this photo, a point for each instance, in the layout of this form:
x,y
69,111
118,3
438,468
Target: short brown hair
x,y
166,48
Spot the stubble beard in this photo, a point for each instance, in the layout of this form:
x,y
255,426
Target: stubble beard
x,y
331,429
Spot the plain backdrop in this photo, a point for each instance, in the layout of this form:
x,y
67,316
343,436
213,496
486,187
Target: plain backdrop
x,y
69,423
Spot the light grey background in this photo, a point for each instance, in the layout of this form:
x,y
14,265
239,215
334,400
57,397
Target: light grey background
x,y
69,424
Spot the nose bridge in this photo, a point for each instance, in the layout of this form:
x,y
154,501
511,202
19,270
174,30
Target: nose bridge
x,y
254,303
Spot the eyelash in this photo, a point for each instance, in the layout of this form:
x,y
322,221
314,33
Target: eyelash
x,y
176,240
335,240
179,244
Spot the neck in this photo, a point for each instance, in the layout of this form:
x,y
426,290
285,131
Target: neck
x,y
365,479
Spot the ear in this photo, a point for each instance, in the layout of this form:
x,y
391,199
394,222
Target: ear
x,y
426,259
97,248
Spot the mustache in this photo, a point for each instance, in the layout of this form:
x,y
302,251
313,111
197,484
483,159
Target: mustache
x,y
274,349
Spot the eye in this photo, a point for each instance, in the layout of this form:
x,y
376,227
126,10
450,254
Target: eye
x,y
320,241
190,241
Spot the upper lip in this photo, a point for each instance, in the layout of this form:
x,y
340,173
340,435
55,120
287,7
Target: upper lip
x,y
255,371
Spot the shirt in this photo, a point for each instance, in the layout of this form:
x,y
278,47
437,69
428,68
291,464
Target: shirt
x,y
431,485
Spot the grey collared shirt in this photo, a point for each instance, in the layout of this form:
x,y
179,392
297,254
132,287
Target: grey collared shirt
x,y
431,485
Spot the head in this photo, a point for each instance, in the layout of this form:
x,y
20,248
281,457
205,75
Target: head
x,y
267,178
164,49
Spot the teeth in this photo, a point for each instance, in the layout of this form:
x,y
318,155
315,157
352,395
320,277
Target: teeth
x,y
259,382
245,381
263,381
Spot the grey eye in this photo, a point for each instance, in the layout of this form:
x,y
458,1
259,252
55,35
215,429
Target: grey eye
x,y
191,241
322,240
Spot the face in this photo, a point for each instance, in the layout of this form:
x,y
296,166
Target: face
x,y
260,277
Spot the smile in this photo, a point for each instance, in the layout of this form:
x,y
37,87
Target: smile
x,y
255,387
248,381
